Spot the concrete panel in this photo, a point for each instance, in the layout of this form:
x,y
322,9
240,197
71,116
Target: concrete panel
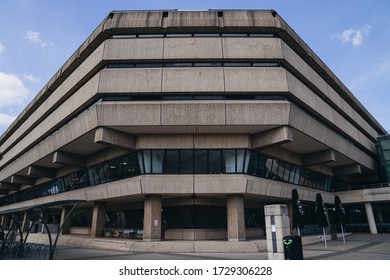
x,y
124,188
311,127
39,171
309,98
219,184
365,195
130,80
248,18
167,184
193,80
252,48
135,19
66,109
257,113
222,141
129,113
270,79
193,48
160,141
56,98
66,134
192,19
301,66
114,138
193,113
281,190
133,49
319,158
277,136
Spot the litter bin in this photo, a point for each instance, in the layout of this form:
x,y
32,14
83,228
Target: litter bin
x,y
292,247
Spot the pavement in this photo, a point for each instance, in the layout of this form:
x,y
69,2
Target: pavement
x,y
357,246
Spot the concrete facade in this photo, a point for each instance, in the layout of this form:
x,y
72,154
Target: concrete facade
x,y
240,84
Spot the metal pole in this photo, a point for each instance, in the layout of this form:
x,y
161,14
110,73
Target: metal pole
x,y
342,231
326,244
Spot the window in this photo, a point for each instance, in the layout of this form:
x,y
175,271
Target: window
x,y
157,161
186,162
229,160
200,161
215,160
172,162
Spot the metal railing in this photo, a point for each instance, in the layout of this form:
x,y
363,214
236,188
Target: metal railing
x,y
364,187
23,251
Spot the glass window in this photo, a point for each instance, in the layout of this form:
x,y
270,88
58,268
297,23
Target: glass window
x,y
237,64
172,162
261,166
150,35
147,161
200,157
215,160
116,171
157,161
252,167
93,176
135,164
103,170
178,64
240,160
178,35
229,160
186,162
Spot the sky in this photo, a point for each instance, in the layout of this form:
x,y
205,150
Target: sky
x,y
352,37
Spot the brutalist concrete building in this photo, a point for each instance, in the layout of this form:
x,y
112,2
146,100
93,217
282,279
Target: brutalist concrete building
x,y
184,124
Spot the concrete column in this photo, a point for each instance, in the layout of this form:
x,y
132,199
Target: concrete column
x,y
5,222
98,219
370,218
277,224
26,221
152,218
64,212
235,218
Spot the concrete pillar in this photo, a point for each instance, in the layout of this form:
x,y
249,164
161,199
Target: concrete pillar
x,y
370,218
152,218
235,218
64,212
98,219
5,222
277,224
26,221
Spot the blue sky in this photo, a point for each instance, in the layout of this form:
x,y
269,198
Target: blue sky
x,y
351,36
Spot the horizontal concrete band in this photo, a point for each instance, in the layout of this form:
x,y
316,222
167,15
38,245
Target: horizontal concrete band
x,y
174,115
183,185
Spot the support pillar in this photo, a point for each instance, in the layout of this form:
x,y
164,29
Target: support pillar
x,y
5,222
277,225
98,219
370,218
26,221
152,218
66,227
235,218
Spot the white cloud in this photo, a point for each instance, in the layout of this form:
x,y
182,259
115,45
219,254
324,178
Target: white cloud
x,y
2,48
31,78
12,90
6,120
354,36
35,38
